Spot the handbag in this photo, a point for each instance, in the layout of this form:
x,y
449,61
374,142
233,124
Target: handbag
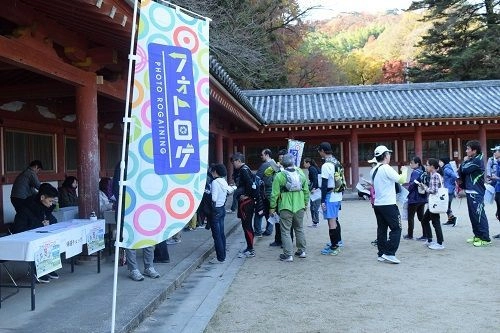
x,y
438,202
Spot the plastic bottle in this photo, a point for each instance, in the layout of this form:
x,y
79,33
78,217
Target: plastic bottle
x,y
93,216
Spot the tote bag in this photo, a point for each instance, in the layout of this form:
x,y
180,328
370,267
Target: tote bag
x,y
438,202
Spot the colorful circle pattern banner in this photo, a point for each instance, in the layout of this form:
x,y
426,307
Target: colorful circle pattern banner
x,y
169,124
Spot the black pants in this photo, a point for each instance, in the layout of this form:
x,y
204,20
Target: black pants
x,y
161,251
388,217
436,223
245,213
412,209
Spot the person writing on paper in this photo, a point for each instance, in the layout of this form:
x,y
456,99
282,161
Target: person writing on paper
x,y
386,210
435,182
36,212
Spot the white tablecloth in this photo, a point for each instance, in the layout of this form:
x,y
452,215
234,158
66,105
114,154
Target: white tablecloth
x,y
22,246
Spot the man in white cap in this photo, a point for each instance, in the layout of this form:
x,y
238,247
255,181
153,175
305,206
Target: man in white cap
x,y
384,179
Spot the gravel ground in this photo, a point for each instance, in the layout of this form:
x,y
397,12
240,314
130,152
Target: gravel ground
x,y
453,290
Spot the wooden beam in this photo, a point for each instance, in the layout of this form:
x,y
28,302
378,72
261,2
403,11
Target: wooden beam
x,y
18,54
114,90
36,91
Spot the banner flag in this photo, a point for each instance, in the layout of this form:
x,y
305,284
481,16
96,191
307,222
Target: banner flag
x,y
296,148
167,157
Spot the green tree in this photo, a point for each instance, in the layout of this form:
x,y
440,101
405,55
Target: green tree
x,y
463,43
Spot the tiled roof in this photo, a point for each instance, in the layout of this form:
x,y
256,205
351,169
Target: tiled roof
x,y
225,80
378,103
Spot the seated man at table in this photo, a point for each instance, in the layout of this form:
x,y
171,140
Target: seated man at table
x,y
36,212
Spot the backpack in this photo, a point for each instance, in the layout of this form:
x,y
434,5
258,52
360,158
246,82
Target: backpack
x,y
293,181
259,186
339,178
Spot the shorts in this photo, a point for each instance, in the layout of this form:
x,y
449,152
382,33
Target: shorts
x,y
332,210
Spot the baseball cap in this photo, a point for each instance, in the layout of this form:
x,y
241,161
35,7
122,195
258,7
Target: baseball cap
x,y
381,149
373,160
325,146
497,147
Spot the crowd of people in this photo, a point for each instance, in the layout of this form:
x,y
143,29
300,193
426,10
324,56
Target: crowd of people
x,y
276,197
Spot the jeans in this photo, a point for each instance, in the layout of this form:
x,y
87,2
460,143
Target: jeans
x,y
217,227
287,221
148,256
388,217
478,220
314,206
436,223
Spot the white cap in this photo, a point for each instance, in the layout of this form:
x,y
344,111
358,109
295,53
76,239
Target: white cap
x,y
373,160
381,150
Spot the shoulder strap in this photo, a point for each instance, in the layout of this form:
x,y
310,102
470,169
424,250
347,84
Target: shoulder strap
x,y
375,172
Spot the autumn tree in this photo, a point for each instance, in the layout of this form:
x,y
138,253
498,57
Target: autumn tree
x,y
463,43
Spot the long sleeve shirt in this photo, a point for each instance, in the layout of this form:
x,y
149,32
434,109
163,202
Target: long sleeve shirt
x,y
25,185
472,175
219,191
292,201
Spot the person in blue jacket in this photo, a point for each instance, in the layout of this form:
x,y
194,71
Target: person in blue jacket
x,y
495,181
471,173
450,181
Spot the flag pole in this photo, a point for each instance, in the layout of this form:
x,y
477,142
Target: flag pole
x,y
126,121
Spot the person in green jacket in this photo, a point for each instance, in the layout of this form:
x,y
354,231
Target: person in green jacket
x,y
290,196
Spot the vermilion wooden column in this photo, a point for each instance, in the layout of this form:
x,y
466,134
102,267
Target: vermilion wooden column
x,y
418,143
87,148
482,140
354,159
219,148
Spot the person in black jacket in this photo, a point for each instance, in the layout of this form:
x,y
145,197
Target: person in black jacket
x,y
471,173
36,212
248,200
314,171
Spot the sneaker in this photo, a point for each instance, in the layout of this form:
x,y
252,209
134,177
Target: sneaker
x,y
266,233
374,243
284,257
473,239
422,239
258,234
42,279
229,211
330,251
380,259
314,225
151,272
391,259
429,243
135,275
173,241
301,254
480,243
436,246
161,261
275,244
407,237
449,222
340,243
497,236
247,254
53,275
216,261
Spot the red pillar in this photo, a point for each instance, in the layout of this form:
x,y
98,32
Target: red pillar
x,y
219,148
418,142
87,148
482,140
229,165
354,159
